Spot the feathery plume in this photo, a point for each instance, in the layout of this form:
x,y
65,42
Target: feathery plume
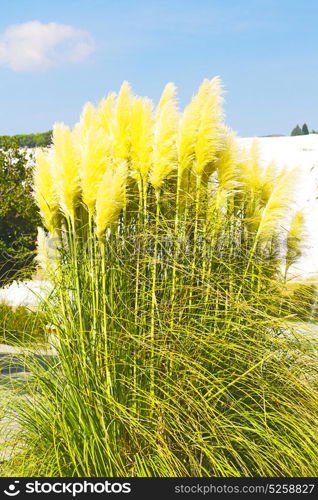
x,y
227,161
204,90
250,169
106,112
111,196
165,154
88,120
168,94
45,189
96,150
295,238
187,136
122,123
209,135
226,166
274,215
267,181
66,173
142,123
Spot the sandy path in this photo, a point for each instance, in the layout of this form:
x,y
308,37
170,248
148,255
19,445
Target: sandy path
x,y
9,349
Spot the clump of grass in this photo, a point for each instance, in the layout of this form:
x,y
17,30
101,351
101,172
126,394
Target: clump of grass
x,y
176,356
20,325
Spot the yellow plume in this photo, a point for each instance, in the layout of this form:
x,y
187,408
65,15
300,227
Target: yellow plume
x,y
165,154
227,163
250,169
88,118
188,131
295,238
45,189
209,136
141,137
168,94
267,181
204,91
111,196
106,112
96,150
122,122
66,173
274,215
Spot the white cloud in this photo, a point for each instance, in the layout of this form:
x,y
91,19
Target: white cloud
x,y
34,46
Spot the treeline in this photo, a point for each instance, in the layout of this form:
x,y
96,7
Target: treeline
x,y
304,130
19,216
28,140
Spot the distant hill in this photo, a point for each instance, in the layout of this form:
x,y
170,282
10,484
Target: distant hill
x,y
273,135
28,140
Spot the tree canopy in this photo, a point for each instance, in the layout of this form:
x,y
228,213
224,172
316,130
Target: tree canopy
x,y
304,130
18,213
296,131
28,140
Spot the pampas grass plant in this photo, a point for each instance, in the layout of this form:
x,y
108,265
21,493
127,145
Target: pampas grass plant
x,y
176,356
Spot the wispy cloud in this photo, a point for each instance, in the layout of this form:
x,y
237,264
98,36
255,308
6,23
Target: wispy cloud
x,y
34,46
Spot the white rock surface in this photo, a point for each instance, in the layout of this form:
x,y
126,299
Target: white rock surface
x,y
25,293
299,152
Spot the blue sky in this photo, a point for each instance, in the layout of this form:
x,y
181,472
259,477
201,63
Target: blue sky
x,y
265,51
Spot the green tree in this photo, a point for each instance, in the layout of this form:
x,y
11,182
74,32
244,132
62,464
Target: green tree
x,y
18,213
296,131
29,140
304,129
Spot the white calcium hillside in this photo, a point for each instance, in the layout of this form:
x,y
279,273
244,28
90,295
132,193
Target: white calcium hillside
x,y
299,152
293,151
25,293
